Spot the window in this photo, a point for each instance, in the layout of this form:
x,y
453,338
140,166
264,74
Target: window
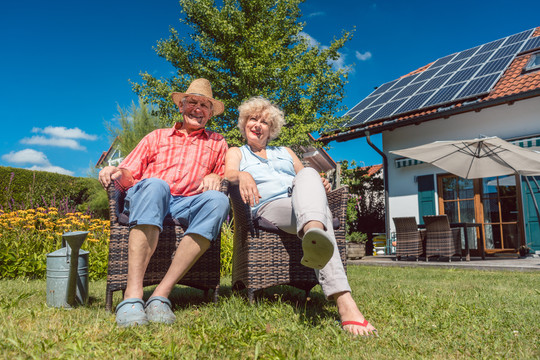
x,y
534,63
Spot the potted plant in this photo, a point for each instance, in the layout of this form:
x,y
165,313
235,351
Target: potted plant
x,y
524,250
356,245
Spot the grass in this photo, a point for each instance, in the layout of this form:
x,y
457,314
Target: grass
x,y
421,313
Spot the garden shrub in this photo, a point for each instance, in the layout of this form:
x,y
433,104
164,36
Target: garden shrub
x,y
27,236
28,189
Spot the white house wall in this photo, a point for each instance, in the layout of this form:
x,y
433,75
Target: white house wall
x,y
505,121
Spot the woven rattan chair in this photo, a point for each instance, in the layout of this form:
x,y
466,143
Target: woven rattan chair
x,y
264,256
204,274
441,240
409,240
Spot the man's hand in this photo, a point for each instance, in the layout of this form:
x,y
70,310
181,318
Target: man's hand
x,y
109,174
248,188
210,182
326,184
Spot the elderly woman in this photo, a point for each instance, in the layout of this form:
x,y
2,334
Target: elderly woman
x,y
273,181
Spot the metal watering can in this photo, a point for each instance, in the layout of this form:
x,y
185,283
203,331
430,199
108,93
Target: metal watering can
x,y
67,272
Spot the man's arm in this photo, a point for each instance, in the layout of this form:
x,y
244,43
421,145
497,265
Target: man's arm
x,y
112,173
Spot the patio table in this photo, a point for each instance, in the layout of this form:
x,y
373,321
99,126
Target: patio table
x,y
465,226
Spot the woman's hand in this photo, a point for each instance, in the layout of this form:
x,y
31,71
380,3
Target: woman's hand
x,y
248,188
326,184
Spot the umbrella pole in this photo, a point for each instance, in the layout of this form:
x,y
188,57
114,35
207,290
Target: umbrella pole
x,y
533,197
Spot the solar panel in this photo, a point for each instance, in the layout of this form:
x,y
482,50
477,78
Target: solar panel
x,y
435,83
389,108
442,61
478,59
532,43
363,116
415,102
445,94
452,67
495,66
478,86
409,90
464,75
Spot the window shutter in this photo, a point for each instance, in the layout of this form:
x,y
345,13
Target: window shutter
x,y
426,196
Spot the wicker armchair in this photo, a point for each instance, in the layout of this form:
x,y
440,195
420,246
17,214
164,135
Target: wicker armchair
x,y
409,240
264,256
204,275
441,240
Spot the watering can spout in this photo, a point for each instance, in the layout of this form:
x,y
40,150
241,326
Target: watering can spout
x,y
67,272
75,240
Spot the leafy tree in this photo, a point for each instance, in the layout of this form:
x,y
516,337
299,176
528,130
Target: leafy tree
x,y
365,208
247,48
134,124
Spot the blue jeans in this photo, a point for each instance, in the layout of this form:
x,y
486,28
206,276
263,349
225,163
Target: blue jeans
x,y
149,201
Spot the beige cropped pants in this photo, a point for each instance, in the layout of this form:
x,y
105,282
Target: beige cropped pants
x,y
309,202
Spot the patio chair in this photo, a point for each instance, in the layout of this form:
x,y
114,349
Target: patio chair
x,y
204,275
441,240
409,240
264,256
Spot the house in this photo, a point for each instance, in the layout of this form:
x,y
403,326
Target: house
x,y
491,89
111,157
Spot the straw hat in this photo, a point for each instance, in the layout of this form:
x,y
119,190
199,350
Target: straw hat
x,y
199,87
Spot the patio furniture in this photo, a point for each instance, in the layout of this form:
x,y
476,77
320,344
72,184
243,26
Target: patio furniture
x,y
409,240
265,256
441,240
204,275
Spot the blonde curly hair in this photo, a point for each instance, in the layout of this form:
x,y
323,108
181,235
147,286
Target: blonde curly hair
x,y
258,105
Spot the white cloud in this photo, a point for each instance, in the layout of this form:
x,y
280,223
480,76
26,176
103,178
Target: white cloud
x,y
312,42
363,57
336,64
51,168
26,156
339,63
63,132
318,13
58,142
37,159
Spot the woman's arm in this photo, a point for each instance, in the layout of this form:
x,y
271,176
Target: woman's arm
x,y
296,161
298,166
246,184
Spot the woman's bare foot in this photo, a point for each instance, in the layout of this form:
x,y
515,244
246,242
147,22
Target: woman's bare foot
x,y
349,312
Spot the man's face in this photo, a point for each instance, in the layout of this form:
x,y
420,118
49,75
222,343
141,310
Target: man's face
x,y
197,110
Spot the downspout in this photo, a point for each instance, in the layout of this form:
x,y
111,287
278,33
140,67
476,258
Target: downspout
x,y
385,175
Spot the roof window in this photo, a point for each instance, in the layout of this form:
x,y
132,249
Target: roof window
x,y
534,62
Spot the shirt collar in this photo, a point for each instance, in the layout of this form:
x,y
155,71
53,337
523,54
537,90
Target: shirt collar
x,y
175,130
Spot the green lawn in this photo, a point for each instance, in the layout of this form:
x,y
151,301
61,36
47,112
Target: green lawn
x,y
421,313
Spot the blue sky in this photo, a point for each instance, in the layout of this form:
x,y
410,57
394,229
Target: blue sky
x,y
65,65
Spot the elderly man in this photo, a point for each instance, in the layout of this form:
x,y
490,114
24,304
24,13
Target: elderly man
x,y
176,171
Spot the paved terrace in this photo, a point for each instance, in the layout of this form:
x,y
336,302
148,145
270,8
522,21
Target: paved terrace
x,y
510,263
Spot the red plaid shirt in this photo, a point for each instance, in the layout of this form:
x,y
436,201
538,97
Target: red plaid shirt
x,y
179,159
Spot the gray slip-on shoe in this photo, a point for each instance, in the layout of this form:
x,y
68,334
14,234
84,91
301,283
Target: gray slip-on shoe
x,y
130,312
158,309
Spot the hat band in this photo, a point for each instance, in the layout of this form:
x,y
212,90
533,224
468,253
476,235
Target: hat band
x,y
198,95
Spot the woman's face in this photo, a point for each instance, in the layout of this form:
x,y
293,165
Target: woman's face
x,y
257,129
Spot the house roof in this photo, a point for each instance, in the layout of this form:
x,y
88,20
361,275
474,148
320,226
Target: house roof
x,y
106,154
514,84
373,169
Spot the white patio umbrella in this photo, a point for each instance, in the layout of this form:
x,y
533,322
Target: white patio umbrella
x,y
478,158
